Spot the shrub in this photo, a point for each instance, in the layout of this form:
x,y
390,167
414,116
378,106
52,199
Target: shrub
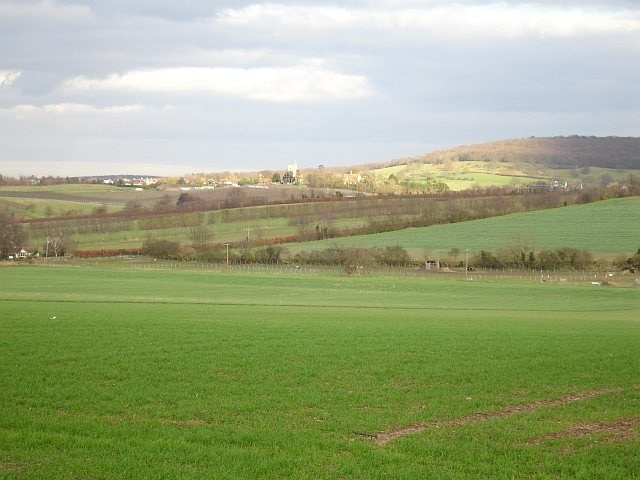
x,y
269,254
160,248
486,260
392,256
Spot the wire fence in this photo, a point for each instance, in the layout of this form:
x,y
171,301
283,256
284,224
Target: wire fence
x,y
595,278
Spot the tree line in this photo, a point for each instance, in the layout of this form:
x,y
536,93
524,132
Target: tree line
x,y
517,253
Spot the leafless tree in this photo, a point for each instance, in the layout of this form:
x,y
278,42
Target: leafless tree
x,y
55,243
12,236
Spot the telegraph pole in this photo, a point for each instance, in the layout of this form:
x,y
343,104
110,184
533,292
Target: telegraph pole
x,y
466,266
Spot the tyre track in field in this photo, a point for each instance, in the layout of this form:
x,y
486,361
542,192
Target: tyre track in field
x,y
611,430
387,436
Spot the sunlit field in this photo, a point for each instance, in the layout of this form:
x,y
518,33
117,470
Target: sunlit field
x,y
120,372
606,227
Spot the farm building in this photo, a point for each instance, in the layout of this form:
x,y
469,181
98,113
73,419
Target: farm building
x,y
432,265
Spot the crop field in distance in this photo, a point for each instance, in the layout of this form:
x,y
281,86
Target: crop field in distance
x,y
605,227
119,371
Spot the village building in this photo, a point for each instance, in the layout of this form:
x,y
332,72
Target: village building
x,y
264,181
351,179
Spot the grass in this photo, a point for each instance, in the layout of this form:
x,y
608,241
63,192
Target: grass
x,y
133,236
200,374
67,199
461,175
73,199
606,227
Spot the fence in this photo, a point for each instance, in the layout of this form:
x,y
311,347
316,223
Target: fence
x,y
619,279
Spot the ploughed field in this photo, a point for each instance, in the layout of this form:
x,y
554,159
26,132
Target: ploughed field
x,y
118,372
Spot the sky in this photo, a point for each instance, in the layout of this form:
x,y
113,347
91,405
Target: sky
x,y
165,87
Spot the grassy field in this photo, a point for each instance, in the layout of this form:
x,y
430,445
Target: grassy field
x,y
462,175
119,372
70,199
29,207
606,227
478,173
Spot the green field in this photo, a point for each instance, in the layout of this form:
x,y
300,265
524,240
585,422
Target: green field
x,y
606,227
120,372
479,173
462,175
70,199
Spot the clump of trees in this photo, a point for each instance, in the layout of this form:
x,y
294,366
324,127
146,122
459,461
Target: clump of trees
x,y
355,256
161,248
274,254
271,254
12,235
631,263
565,258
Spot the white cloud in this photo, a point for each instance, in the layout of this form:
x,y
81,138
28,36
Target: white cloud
x,y
301,83
69,112
445,19
71,108
45,10
292,15
232,57
7,77
83,108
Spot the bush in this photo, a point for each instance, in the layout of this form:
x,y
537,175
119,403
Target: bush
x,y
486,260
392,256
633,263
270,254
356,256
564,258
165,249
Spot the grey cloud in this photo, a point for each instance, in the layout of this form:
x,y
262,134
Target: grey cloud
x,y
429,88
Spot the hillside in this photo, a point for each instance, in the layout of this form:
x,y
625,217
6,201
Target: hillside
x,y
578,161
607,227
554,152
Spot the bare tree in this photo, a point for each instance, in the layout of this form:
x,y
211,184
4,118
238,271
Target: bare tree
x,y
455,253
200,236
56,244
12,236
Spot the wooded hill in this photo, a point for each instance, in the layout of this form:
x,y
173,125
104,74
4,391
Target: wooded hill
x,y
554,152
578,161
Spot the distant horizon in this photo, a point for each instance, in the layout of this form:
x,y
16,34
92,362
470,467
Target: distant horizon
x,y
283,167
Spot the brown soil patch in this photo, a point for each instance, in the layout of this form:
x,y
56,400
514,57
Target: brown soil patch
x,y
612,430
387,436
12,466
